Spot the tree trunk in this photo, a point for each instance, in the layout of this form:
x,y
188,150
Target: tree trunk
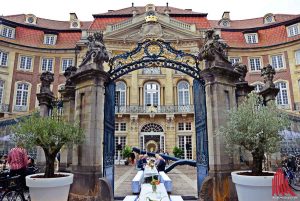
x,y
50,159
258,158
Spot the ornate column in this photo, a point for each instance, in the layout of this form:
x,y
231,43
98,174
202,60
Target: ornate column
x,y
220,86
45,98
87,161
68,99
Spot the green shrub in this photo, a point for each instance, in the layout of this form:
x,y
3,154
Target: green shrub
x,y
178,153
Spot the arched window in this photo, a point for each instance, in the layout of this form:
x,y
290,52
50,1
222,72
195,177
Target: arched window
x,y
120,97
1,91
258,87
22,94
183,88
282,97
151,94
152,127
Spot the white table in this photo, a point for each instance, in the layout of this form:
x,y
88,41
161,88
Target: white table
x,y
160,195
149,172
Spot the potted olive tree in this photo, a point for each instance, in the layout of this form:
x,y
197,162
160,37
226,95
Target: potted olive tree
x,y
178,153
51,134
127,153
255,127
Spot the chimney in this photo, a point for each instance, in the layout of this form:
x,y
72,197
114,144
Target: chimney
x,y
226,15
73,16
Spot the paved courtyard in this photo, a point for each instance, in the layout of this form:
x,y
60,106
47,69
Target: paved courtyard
x,y
183,177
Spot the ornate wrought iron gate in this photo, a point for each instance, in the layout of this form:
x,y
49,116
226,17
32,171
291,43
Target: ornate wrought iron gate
x,y
201,131
109,133
153,53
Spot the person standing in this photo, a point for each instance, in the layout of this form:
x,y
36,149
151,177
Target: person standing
x,y
18,160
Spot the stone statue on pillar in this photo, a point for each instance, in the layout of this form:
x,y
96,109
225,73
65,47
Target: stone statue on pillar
x,y
46,79
214,51
241,69
269,92
70,71
268,73
96,53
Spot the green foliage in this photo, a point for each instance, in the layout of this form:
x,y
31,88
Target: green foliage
x,y
178,153
126,151
254,127
49,133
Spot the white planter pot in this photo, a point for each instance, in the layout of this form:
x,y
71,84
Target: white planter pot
x,y
250,188
49,189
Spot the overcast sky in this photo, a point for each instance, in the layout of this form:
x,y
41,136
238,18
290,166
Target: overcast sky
x,y
60,9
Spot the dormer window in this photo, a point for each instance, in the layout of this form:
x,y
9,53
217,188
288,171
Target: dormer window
x,y
293,30
269,18
50,39
251,38
74,21
7,31
30,19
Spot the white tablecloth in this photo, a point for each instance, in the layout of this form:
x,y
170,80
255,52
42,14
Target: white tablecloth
x,y
160,195
149,172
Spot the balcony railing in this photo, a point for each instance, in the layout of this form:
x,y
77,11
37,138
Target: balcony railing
x,y
160,109
4,108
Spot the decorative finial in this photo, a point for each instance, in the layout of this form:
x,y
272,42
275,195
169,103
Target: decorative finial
x,y
167,5
132,4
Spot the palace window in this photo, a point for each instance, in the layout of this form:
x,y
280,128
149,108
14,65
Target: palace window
x,y
50,39
255,64
25,62
251,38
293,30
297,57
47,64
277,61
152,127
184,126
185,143
65,63
3,58
183,93
1,91
120,96
120,142
120,126
22,97
8,32
152,94
234,60
282,97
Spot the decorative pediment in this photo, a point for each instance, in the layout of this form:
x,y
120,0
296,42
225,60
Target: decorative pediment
x,y
163,27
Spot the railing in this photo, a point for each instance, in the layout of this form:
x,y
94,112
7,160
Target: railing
x,y
136,109
4,108
20,108
284,107
181,24
297,106
121,25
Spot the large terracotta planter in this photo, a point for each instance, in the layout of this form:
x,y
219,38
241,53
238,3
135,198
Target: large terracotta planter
x,y
250,188
49,189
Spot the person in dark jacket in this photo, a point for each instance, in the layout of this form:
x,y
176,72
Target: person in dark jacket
x,y
140,163
160,163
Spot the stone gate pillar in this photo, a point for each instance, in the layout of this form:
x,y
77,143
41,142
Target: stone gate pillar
x,y
87,160
45,98
221,80
68,99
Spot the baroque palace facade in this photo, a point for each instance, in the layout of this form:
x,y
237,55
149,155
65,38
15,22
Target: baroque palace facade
x,y
154,105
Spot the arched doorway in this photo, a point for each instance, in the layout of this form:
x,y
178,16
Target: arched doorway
x,y
152,138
